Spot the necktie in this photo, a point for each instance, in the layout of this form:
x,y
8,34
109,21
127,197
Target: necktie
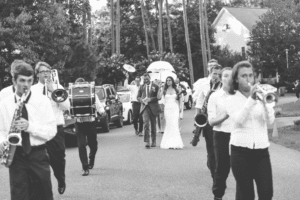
x,y
44,90
25,135
148,91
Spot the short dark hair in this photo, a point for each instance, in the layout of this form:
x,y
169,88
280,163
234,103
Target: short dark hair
x,y
14,64
146,74
22,68
234,84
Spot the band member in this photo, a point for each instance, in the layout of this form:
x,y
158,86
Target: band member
x,y
56,147
250,159
37,123
198,83
86,131
210,83
218,119
136,105
5,92
149,109
182,92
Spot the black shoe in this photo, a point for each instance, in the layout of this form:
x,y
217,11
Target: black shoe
x,y
91,164
61,187
136,132
141,134
217,198
153,144
147,145
85,172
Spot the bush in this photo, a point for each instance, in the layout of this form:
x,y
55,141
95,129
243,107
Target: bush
x,y
297,122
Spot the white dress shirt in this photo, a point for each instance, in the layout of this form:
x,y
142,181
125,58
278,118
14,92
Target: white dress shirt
x,y
250,119
42,124
217,106
5,92
201,92
134,89
58,108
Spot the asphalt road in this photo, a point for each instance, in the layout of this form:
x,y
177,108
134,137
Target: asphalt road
x,y
124,169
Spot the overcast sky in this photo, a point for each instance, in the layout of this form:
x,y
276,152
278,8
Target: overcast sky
x,y
96,4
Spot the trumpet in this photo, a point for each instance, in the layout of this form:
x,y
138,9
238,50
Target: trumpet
x,y
58,95
267,93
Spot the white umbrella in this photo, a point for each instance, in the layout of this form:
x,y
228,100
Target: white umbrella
x,y
159,66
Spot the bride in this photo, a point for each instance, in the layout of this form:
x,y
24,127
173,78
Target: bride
x,y
169,94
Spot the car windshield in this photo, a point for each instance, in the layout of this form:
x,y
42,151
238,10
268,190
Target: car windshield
x,y
124,98
100,93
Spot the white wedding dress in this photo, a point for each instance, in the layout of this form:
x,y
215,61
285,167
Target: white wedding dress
x,y
171,138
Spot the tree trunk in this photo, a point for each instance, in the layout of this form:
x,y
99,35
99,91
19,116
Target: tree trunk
x,y
150,28
118,46
84,11
89,15
145,28
112,14
160,36
206,30
187,39
169,27
202,37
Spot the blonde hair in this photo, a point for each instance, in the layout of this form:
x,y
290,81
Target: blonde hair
x,y
39,65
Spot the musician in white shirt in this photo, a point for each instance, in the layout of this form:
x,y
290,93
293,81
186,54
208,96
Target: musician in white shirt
x,y
7,91
219,120
31,162
136,105
250,159
86,132
56,147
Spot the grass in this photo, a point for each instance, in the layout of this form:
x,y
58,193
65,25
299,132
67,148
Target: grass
x,y
289,137
288,110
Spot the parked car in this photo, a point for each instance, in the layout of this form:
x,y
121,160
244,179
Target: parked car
x,y
125,98
188,99
113,110
113,107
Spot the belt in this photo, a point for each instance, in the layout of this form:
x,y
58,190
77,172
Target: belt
x,y
135,102
61,125
39,147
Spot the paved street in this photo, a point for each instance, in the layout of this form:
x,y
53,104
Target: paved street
x,y
124,169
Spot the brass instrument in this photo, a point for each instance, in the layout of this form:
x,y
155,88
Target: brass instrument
x,y
201,119
58,95
14,137
268,94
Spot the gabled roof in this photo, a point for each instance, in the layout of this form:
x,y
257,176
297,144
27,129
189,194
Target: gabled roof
x,y
247,16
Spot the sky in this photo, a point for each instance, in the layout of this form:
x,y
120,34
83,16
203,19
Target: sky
x,y
96,4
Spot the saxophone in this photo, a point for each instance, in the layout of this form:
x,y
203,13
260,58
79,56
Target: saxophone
x,y
14,137
201,119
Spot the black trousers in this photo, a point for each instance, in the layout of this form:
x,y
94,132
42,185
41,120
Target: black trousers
x,y
221,150
29,175
86,135
149,119
56,149
137,117
208,135
248,165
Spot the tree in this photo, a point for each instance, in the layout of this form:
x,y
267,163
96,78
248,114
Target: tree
x,y
202,36
169,27
187,40
112,14
145,27
160,27
118,29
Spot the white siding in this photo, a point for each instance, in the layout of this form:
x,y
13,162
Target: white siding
x,y
235,37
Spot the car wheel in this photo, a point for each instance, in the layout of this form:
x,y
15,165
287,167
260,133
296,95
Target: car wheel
x,y
129,119
119,122
105,126
189,104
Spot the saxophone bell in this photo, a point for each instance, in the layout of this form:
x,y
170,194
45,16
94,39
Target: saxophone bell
x,y
14,139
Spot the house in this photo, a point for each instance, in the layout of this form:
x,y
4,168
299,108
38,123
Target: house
x,y
234,25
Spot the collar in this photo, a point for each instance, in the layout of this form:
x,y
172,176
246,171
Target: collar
x,y
239,94
27,97
40,84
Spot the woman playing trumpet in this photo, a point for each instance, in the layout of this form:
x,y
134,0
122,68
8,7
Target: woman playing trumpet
x,y
250,159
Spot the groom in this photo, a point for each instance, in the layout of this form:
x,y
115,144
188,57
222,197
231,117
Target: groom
x,y
150,109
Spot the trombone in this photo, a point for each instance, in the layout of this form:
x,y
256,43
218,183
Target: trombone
x,y
58,95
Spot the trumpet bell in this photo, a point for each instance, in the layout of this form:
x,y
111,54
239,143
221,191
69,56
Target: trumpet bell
x,y
14,139
59,95
129,68
200,120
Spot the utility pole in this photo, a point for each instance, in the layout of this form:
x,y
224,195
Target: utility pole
x,y
202,37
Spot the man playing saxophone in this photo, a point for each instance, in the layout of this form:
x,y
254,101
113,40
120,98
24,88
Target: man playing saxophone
x,y
209,83
37,125
56,147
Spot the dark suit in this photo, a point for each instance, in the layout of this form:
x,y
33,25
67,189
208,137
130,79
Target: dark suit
x,y
149,111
